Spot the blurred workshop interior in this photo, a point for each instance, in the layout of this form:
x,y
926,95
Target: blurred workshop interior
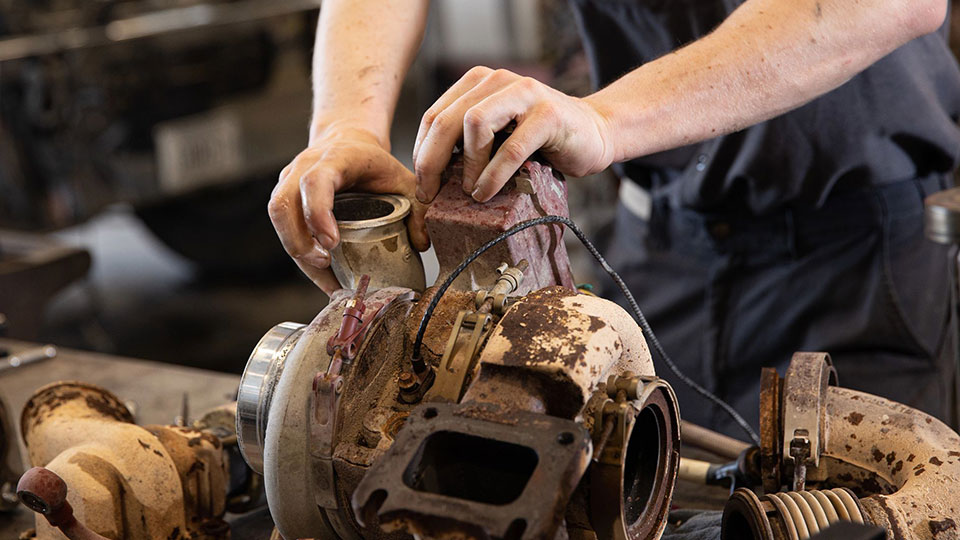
x,y
140,144
147,136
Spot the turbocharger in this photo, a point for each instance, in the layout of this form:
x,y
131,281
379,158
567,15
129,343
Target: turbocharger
x,y
503,403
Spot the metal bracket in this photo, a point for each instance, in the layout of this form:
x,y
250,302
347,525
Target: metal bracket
x,y
460,355
804,398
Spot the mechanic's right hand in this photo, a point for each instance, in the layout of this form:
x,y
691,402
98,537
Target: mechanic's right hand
x,y
301,206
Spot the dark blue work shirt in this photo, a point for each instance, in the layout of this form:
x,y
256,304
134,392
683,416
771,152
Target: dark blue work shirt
x,y
897,120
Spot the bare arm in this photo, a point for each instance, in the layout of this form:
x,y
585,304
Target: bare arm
x,y
363,51
768,57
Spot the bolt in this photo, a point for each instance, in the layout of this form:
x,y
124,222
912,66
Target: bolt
x,y
407,381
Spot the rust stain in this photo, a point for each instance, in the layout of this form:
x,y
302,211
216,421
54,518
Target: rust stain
x,y
854,418
937,527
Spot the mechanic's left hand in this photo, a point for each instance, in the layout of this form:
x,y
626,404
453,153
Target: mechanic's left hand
x,y
570,132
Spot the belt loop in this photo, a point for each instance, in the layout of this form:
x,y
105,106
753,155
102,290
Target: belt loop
x,y
791,232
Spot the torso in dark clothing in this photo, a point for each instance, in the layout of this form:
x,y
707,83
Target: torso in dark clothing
x,y
895,121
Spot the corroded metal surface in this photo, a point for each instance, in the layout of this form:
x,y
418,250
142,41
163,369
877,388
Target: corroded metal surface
x,y
520,470
571,341
374,242
633,477
457,225
125,481
903,465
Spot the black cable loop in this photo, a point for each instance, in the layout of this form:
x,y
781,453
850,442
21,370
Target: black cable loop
x,y
644,325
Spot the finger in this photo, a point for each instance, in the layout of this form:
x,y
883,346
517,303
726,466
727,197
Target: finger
x,y
447,128
417,227
286,213
317,189
470,79
529,136
321,277
482,121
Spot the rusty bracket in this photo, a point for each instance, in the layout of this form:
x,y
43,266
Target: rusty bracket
x,y
460,356
804,399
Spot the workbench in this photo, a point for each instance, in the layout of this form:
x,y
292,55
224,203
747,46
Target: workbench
x,y
154,391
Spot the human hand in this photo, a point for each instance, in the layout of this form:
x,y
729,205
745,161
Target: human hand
x,y
301,205
570,132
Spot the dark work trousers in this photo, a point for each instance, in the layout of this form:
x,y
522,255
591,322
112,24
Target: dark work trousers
x,y
730,294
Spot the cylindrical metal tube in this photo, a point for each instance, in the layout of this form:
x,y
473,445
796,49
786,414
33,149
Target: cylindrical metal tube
x,y
374,241
711,441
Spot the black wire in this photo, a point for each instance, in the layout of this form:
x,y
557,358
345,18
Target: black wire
x,y
644,325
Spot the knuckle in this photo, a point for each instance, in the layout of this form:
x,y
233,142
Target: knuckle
x,y
277,207
442,122
478,72
514,150
528,84
430,116
547,109
474,118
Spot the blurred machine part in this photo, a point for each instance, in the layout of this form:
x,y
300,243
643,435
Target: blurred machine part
x,y
97,474
829,454
33,268
187,109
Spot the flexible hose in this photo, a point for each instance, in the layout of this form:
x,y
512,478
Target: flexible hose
x,y
805,513
644,325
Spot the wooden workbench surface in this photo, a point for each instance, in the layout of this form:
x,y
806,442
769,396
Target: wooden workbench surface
x,y
155,389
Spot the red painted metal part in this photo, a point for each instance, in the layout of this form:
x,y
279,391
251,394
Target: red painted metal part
x,y
457,225
44,492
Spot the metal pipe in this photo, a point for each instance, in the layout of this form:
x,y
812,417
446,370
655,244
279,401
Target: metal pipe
x,y
705,439
374,241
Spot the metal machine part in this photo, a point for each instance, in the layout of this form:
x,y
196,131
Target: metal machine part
x,y
42,491
457,226
878,462
126,481
477,470
943,216
374,242
516,381
260,377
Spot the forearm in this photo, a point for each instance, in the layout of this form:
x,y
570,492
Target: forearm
x,y
768,57
362,53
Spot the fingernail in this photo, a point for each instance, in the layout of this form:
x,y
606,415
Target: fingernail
x,y
468,185
421,196
476,194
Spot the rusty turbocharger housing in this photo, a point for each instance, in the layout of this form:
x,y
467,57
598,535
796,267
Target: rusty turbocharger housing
x,y
124,480
833,454
536,412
